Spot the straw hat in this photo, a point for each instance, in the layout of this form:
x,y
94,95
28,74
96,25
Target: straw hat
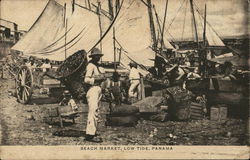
x,y
66,93
95,52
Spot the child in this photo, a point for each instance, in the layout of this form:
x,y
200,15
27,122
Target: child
x,y
68,100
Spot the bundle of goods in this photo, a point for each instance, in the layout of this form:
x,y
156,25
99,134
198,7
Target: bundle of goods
x,y
71,73
123,115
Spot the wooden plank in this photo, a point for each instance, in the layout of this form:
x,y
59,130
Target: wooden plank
x,y
142,89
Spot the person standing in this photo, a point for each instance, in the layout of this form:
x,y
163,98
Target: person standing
x,y
134,77
46,65
93,77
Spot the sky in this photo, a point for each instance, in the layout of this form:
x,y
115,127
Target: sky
x,y
228,17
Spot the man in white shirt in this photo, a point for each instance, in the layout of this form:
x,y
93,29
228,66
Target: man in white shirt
x,y
93,78
134,77
46,65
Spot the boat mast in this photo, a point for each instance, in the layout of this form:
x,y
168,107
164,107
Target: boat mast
x,y
114,48
163,27
195,26
111,12
205,25
73,6
100,23
65,37
151,23
204,54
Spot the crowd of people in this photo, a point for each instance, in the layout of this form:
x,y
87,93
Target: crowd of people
x,y
95,80
33,63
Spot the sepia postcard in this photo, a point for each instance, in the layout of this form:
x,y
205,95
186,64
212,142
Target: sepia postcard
x,y
124,79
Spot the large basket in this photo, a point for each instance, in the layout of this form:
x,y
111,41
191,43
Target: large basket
x,y
71,73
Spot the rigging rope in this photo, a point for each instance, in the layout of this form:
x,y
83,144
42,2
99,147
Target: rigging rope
x,y
108,28
175,15
172,37
198,10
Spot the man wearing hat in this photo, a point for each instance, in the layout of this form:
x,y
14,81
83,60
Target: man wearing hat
x,y
93,78
134,77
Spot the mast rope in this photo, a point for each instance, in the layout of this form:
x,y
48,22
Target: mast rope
x,y
198,10
176,15
108,27
172,37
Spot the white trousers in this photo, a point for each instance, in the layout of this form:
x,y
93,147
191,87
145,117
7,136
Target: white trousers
x,y
134,88
94,96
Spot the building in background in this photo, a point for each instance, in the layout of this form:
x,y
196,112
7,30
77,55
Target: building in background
x,y
9,35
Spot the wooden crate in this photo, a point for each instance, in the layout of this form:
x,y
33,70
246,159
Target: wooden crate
x,y
218,113
62,112
196,111
53,112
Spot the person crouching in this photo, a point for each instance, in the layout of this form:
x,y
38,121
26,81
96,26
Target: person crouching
x,y
93,78
68,101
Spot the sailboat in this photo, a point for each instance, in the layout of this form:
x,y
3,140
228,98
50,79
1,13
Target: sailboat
x,y
210,48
